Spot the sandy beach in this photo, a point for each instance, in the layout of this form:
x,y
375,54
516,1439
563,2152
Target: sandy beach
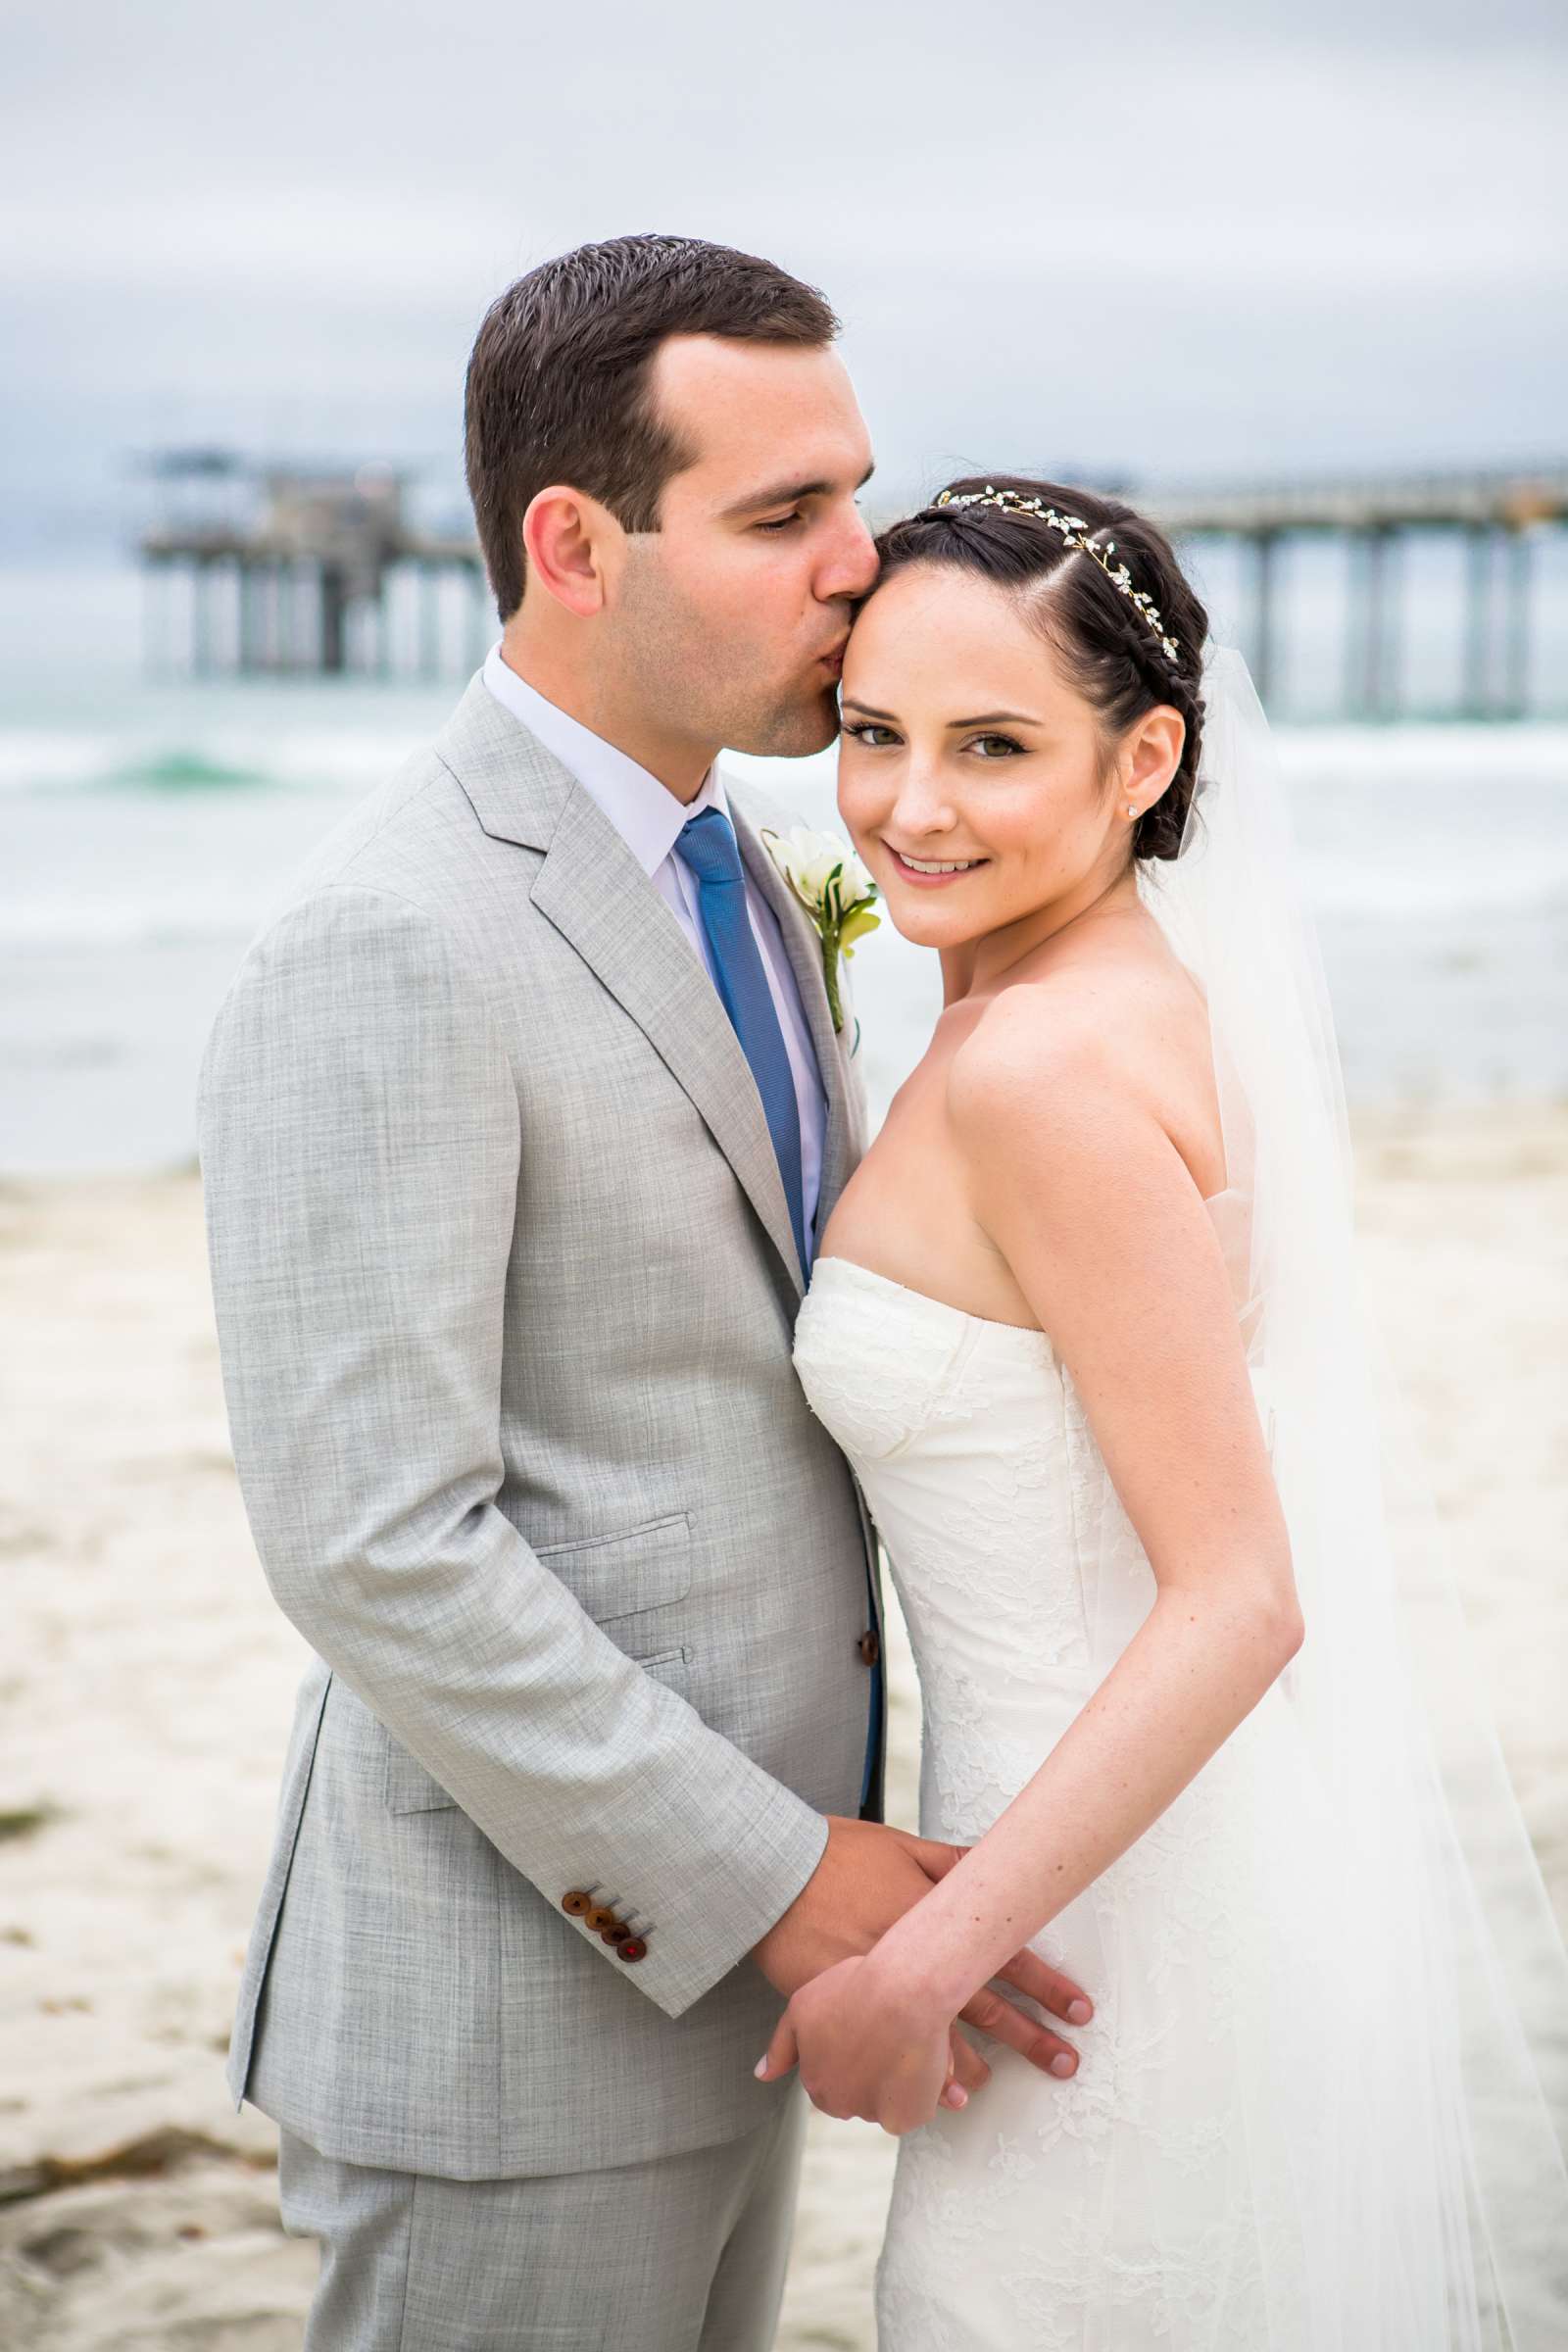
x,y
147,1681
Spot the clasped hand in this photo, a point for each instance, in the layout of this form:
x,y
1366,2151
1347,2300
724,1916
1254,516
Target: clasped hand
x,y
865,2049
867,2039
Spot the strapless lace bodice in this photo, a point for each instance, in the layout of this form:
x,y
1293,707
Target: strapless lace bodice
x,y
1119,2210
989,1496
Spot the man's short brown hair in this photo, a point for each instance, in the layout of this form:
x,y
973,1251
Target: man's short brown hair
x,y
558,378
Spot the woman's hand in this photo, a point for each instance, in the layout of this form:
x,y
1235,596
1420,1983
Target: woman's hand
x,y
865,2046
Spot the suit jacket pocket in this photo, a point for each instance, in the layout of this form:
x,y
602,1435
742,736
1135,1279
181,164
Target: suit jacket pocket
x,y
622,1574
406,1787
618,1578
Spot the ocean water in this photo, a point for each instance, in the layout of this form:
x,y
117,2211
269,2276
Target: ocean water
x,y
145,831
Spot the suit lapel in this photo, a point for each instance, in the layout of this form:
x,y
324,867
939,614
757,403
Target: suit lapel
x,y
596,893
596,896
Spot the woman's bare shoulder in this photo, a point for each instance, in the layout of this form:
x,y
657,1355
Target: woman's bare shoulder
x,y
1089,1050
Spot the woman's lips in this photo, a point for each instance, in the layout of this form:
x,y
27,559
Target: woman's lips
x,y
912,874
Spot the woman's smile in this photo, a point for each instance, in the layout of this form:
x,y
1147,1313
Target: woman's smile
x,y
931,873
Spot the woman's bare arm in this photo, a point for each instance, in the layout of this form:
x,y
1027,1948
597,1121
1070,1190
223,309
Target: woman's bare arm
x,y
1089,1203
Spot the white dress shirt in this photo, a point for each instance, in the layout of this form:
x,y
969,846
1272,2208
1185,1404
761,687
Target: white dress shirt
x,y
649,819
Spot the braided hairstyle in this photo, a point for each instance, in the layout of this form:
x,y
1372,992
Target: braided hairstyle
x,y
1105,647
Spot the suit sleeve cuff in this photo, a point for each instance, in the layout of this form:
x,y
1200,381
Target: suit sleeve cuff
x,y
721,1913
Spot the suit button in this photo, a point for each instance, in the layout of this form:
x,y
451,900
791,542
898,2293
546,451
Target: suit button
x,y
617,1933
632,1949
599,1918
870,1647
576,1902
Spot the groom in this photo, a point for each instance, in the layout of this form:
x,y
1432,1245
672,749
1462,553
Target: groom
x,y
517,1126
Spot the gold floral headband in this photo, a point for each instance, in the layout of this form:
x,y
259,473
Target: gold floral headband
x,y
1074,533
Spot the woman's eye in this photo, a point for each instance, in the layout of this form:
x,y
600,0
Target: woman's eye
x,y
996,747
865,730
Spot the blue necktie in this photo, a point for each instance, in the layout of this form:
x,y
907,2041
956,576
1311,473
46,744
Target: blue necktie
x,y
708,848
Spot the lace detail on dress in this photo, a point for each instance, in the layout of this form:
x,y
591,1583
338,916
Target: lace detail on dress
x,y
1140,2207
896,1379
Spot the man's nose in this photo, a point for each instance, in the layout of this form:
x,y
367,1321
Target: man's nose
x,y
852,564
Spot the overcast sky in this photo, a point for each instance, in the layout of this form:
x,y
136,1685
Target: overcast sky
x,y
1158,241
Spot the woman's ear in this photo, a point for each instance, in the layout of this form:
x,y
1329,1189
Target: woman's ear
x,y
567,537
1151,754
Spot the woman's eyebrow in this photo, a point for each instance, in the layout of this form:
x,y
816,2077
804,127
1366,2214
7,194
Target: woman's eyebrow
x,y
992,719
986,718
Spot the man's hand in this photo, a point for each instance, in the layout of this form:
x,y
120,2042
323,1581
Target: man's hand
x,y
869,1877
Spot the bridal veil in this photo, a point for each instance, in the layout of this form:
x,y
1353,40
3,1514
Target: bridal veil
x,y
1439,2065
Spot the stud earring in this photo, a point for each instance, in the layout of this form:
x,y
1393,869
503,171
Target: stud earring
x,y
1131,810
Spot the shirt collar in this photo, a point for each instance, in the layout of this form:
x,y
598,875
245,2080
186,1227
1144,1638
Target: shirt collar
x,y
647,817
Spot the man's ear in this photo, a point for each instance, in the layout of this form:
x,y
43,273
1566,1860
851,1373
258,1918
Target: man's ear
x,y
571,542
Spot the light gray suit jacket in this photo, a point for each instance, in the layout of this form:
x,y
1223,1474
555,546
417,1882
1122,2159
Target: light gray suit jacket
x,y
505,1289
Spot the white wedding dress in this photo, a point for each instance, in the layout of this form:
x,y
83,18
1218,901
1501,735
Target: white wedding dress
x,y
1176,2192
1317,2110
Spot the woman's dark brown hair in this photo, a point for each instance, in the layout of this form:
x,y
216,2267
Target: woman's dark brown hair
x,y
1104,645
558,378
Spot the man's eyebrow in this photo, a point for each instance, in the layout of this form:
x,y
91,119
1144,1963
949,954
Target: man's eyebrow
x,y
788,494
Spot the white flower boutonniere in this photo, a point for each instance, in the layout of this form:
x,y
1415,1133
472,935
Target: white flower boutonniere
x,y
836,891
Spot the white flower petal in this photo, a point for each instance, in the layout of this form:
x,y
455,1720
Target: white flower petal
x,y
807,860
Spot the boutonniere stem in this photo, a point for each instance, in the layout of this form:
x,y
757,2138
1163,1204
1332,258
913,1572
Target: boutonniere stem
x,y
836,891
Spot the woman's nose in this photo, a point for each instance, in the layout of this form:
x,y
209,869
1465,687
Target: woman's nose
x,y
923,806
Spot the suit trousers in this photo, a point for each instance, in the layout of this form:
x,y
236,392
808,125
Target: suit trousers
x,y
676,2254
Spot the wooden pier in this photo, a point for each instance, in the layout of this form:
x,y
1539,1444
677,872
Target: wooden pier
x,y
1498,519
318,571
296,571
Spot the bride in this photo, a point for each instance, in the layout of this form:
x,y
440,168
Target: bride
x,y
1085,1323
